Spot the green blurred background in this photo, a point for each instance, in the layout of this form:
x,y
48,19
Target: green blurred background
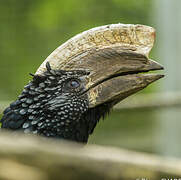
x,y
31,30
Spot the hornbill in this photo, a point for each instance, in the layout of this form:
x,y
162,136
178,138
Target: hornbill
x,y
82,80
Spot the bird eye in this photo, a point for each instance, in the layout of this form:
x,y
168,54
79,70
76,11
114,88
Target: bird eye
x,y
74,84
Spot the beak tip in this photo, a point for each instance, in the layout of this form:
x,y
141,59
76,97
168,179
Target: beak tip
x,y
160,76
150,78
155,65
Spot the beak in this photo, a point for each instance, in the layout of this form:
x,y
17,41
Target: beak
x,y
114,55
116,89
115,75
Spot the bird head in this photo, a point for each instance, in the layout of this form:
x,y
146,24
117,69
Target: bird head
x,y
82,80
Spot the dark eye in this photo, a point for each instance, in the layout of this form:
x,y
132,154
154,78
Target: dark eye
x,y
74,83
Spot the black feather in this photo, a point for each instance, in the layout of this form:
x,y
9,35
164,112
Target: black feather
x,y
49,106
